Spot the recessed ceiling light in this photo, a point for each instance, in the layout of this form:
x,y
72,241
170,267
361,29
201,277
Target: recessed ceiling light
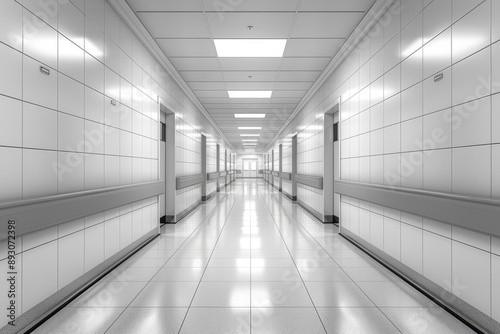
x,y
249,140
250,47
249,115
249,127
250,135
250,94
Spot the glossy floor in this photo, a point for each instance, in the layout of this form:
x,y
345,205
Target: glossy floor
x,y
250,261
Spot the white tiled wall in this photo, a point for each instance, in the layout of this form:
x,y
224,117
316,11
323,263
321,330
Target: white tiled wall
x,y
51,258
399,127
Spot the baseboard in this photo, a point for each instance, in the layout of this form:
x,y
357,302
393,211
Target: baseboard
x,y
292,198
41,312
331,219
310,210
468,314
187,211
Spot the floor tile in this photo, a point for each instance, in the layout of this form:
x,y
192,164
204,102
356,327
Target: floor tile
x,y
371,275
324,275
178,275
131,275
149,320
337,294
222,294
279,294
227,274
171,294
217,320
286,320
109,294
349,320
275,274
82,320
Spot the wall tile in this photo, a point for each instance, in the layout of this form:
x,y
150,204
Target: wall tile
x,y
411,102
471,267
39,40
411,247
411,135
472,171
440,228
477,23
11,174
437,170
39,177
38,88
377,230
471,123
437,130
495,287
495,167
392,113
437,259
412,170
71,96
392,238
437,54
471,77
11,25
411,35
437,17
471,238
11,125
94,246
11,83
39,279
71,256
71,59
71,23
39,127
392,139
411,70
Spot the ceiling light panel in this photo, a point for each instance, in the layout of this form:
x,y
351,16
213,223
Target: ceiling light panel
x,y
250,47
249,127
249,135
249,115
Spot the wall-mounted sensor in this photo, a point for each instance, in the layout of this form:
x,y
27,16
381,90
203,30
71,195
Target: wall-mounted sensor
x,y
438,77
113,102
44,70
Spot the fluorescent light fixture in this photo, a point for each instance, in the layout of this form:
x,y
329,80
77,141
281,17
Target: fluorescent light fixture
x,y
249,140
250,135
249,127
250,47
250,94
249,115
249,144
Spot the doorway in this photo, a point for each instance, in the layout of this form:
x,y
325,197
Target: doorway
x,y
250,168
167,166
331,164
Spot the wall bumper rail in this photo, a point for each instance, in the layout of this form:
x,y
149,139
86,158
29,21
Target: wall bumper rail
x,y
182,182
309,180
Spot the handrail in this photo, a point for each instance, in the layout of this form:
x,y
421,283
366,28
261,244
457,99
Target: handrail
x,y
182,182
479,214
212,176
277,174
36,214
286,176
309,180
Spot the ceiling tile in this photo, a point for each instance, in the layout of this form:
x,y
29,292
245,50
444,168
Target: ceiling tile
x,y
250,64
287,100
265,25
175,25
289,93
187,47
211,93
222,7
335,5
312,47
250,85
161,5
324,25
196,64
214,100
201,76
298,75
258,76
305,63
292,85
206,85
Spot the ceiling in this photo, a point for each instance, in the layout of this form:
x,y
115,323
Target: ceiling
x,y
315,30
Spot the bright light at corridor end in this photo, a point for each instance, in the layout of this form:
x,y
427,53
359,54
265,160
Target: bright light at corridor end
x,y
250,47
250,94
249,115
249,127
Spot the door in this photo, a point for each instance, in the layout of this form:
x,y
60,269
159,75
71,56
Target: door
x,y
253,168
